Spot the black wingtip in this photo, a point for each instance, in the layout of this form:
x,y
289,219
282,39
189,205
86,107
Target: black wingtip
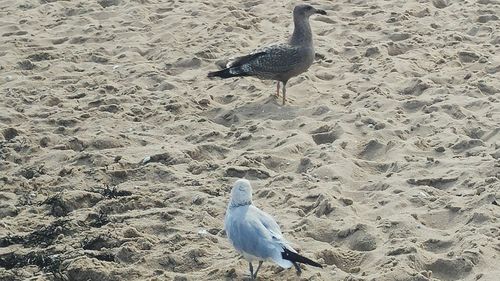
x,y
294,257
221,73
228,73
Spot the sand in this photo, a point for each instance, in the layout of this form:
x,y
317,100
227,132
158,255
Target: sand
x,y
117,154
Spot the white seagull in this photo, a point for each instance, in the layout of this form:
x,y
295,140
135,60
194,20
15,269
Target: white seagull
x,y
255,234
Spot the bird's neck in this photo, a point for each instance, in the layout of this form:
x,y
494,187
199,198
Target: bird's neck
x,y
302,32
237,204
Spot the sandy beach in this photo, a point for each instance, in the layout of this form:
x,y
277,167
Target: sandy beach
x,y
117,153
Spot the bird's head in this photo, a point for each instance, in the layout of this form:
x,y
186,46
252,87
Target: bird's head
x,y
241,194
305,10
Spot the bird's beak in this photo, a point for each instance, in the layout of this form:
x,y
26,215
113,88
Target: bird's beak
x,y
321,12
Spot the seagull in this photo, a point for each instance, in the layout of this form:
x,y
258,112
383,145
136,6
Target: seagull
x,y
255,234
278,62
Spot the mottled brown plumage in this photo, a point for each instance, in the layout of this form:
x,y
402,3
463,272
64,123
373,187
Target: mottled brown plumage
x,y
278,62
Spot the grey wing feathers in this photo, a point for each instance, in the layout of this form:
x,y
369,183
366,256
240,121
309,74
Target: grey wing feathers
x,y
269,61
239,61
257,234
252,239
270,224
278,59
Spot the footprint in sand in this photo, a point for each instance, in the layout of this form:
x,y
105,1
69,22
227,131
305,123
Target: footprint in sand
x,y
327,134
437,245
451,269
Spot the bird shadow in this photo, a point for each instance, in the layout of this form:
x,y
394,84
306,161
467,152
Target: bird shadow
x,y
265,108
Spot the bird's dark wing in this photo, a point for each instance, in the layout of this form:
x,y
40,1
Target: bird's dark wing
x,y
239,61
269,61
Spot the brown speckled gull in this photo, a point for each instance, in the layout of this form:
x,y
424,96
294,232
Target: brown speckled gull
x,y
278,62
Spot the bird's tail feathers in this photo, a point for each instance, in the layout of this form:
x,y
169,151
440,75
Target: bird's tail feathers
x,y
228,72
294,257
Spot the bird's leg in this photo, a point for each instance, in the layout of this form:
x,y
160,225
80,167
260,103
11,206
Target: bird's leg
x,y
297,267
251,270
284,92
278,89
257,270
